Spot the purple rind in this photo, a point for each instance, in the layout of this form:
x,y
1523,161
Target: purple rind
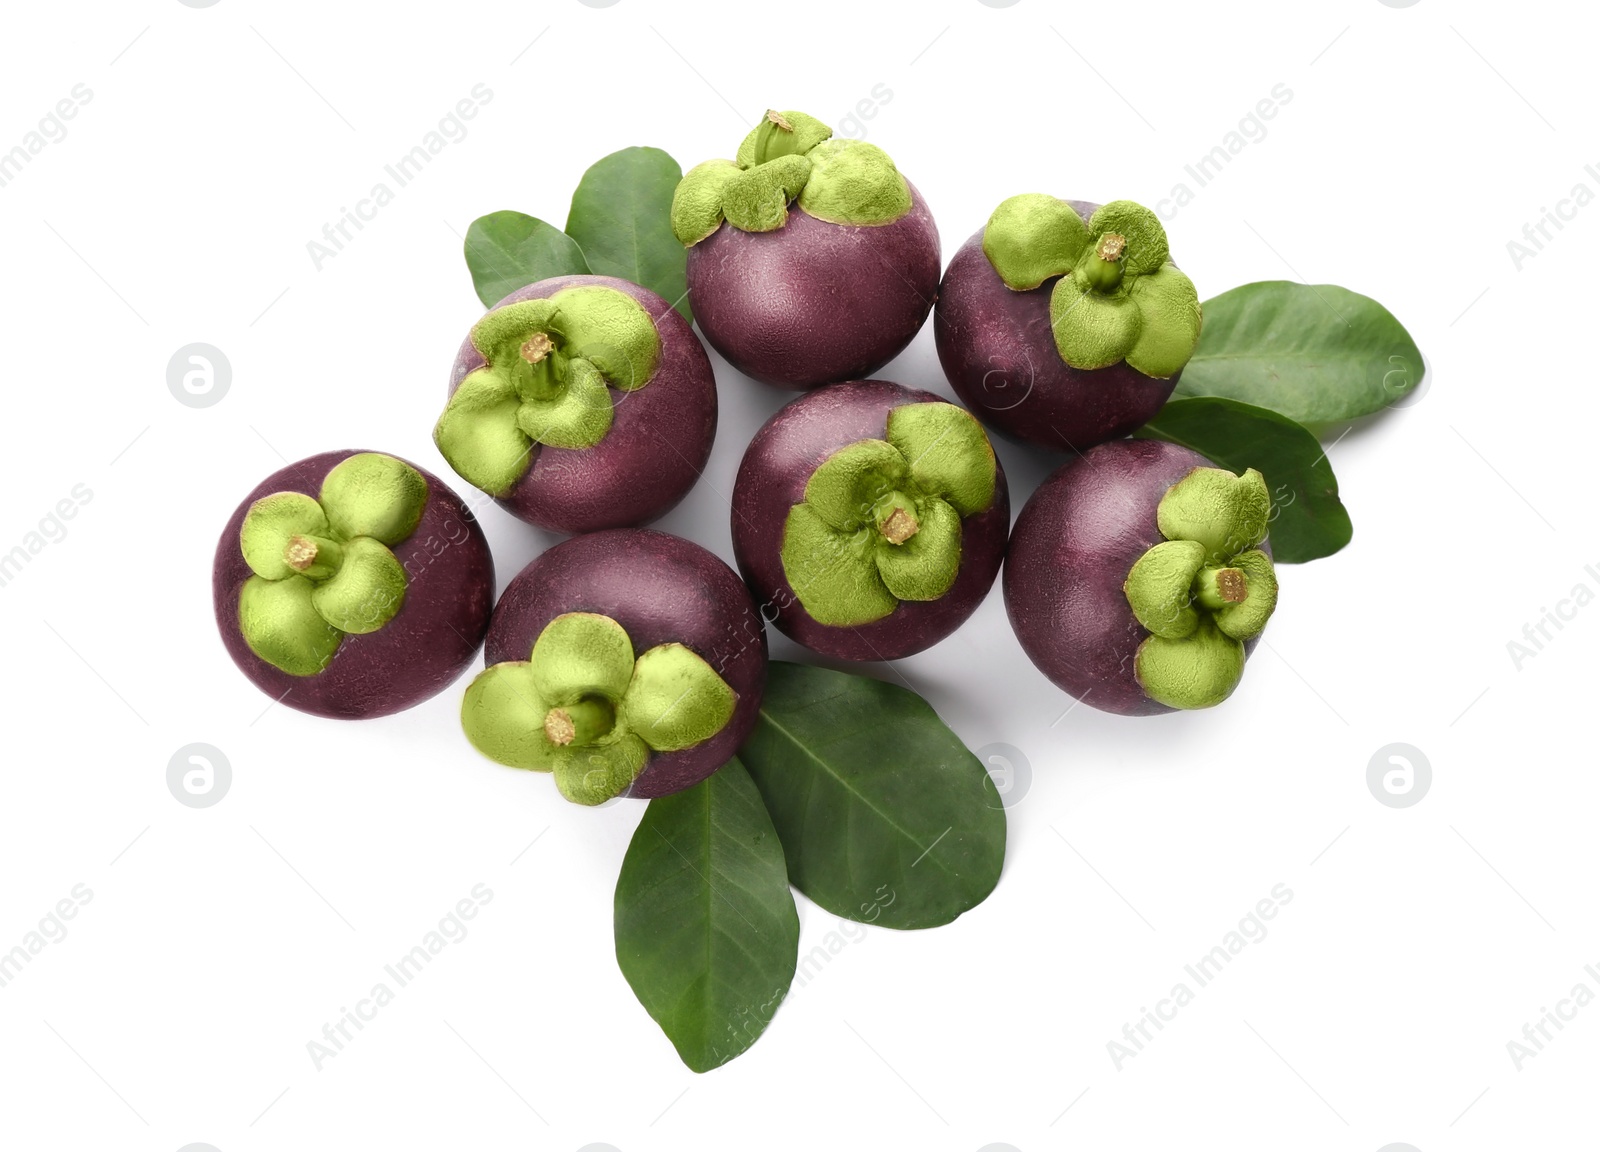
x,y
772,479
658,443
812,303
418,653
1074,543
999,353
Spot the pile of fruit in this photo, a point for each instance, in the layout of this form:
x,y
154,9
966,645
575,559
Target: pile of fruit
x,y
869,521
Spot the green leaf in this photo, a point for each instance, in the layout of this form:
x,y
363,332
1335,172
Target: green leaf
x,y
1318,354
621,216
706,929
1307,520
884,814
509,250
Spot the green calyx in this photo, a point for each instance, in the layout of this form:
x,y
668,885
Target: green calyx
x,y
583,708
549,369
322,567
1205,589
789,157
881,519
1119,296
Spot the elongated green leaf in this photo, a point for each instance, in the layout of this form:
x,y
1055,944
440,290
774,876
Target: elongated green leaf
x,y
1317,354
622,217
707,933
885,816
509,250
1308,521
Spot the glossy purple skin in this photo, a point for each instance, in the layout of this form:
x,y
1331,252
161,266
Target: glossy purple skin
x,y
658,443
772,479
1074,543
812,302
662,589
999,354
417,654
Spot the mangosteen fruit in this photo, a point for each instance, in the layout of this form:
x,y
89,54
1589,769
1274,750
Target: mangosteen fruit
x,y
811,260
1065,323
1139,577
870,519
581,403
352,584
622,662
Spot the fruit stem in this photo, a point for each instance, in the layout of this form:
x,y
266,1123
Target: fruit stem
x,y
899,526
581,723
536,347
1102,267
538,372
1217,588
774,137
313,556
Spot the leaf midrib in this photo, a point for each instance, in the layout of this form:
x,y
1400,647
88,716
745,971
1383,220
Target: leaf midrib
x,y
1291,355
843,783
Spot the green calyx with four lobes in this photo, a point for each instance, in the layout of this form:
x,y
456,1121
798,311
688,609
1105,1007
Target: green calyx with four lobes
x,y
583,708
1119,297
881,519
789,157
323,569
1205,589
549,367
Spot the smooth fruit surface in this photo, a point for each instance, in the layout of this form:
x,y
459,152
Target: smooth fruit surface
x,y
655,448
813,302
419,651
998,351
773,479
1074,545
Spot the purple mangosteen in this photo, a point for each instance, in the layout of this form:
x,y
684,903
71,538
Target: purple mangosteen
x,y
352,584
1065,323
811,260
1139,577
624,662
581,403
870,519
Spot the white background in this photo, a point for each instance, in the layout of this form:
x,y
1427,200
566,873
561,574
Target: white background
x,y
219,941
